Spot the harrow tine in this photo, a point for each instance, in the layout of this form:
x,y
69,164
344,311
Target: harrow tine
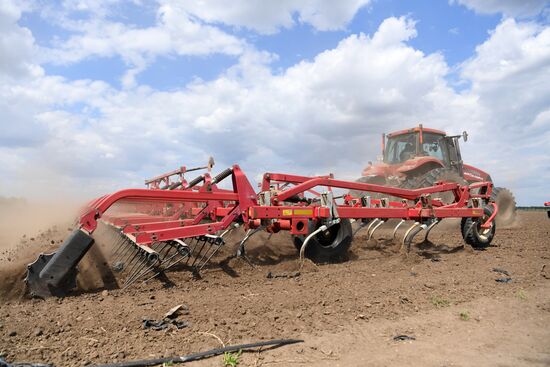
x,y
134,261
361,226
371,234
430,227
411,233
404,243
192,251
124,253
376,220
249,233
152,260
218,243
182,249
148,256
119,244
397,227
196,256
204,255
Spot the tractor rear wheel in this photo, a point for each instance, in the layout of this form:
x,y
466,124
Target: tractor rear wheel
x,y
327,245
473,234
431,177
506,205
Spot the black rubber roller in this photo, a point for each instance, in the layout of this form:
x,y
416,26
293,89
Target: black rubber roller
x,y
55,274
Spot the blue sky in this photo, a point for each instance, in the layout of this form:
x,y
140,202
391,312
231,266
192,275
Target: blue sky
x,y
98,95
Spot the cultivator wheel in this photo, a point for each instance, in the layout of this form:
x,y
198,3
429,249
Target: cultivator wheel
x,y
473,231
329,244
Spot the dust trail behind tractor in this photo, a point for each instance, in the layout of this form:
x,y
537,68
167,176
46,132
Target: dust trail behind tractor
x,y
175,222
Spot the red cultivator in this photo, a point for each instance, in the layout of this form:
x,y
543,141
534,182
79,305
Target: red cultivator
x,y
184,223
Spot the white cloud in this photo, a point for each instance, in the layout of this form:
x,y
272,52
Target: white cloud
x,y
270,16
314,117
16,43
512,8
175,33
181,28
510,76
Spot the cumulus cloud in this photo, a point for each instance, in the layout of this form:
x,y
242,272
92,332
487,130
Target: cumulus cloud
x,y
16,43
270,16
317,116
510,77
512,8
174,33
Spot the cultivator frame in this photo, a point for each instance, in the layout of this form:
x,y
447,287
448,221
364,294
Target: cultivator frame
x,y
184,223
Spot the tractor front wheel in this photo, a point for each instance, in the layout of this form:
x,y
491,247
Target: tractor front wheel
x,y
328,245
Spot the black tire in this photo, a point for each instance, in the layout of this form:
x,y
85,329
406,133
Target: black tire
x,y
371,180
473,234
431,177
506,206
331,244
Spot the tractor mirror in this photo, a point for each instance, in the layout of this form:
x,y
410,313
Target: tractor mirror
x,y
465,136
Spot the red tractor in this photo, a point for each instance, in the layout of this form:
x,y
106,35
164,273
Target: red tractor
x,y
420,157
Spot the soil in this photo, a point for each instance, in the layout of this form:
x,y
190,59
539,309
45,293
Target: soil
x,y
443,294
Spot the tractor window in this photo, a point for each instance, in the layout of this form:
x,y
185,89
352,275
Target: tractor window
x,y
433,145
400,148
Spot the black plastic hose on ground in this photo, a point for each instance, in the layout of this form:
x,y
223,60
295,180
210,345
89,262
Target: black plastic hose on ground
x,y
202,355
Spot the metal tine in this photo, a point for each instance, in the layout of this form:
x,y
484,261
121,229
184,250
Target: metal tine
x,y
197,240
403,243
212,242
376,220
136,269
166,268
411,232
134,260
216,249
125,251
430,227
119,244
361,226
205,254
135,279
165,258
159,247
397,227
204,240
152,260
371,233
154,264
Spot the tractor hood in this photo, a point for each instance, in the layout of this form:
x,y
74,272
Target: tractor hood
x,y
473,174
399,169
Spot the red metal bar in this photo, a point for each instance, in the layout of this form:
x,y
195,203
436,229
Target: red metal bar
x,y
394,191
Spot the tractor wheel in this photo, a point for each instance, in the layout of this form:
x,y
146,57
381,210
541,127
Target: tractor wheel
x,y
370,180
430,178
473,234
328,245
506,205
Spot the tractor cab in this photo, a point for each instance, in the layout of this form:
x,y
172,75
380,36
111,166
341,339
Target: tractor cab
x,y
417,150
402,146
